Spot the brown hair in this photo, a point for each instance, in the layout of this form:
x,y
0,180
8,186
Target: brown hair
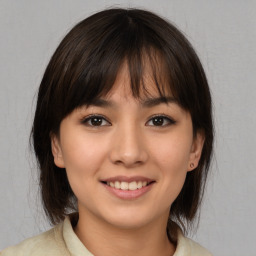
x,y
85,66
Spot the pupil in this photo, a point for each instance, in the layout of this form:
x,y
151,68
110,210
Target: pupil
x,y
158,121
96,121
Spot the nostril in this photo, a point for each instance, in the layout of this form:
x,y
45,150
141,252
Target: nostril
x,y
118,162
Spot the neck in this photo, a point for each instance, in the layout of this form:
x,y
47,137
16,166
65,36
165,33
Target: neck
x,y
101,238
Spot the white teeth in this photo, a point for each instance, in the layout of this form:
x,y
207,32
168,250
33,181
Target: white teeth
x,y
139,184
117,185
123,185
133,185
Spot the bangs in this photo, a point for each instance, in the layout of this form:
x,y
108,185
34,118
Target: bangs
x,y
92,71
143,69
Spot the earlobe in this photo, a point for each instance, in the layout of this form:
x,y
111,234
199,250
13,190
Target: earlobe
x,y
196,150
57,152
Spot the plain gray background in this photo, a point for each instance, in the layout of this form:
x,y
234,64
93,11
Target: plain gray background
x,y
224,35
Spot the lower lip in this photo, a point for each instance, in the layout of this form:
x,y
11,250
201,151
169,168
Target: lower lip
x,y
129,194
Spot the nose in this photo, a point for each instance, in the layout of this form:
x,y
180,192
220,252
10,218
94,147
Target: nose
x,y
128,147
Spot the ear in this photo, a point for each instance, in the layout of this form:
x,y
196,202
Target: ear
x,y
56,151
196,150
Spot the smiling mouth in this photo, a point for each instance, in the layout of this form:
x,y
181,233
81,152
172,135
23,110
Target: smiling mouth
x,y
123,185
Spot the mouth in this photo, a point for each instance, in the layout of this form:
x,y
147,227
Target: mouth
x,y
128,187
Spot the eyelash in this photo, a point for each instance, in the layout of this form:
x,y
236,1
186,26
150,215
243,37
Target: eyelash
x,y
91,117
165,119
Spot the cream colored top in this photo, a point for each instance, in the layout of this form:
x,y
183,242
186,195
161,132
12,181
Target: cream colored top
x,y
62,241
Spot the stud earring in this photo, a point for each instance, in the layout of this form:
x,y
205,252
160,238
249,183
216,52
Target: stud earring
x,y
192,165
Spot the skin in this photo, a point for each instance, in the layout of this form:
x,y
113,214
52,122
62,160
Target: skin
x,y
127,142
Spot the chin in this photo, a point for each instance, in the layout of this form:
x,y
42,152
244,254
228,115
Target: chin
x,y
129,220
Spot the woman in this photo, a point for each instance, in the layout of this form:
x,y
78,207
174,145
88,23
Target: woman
x,y
123,137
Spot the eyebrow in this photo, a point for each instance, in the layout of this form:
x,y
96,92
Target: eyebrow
x,y
102,103
152,102
147,103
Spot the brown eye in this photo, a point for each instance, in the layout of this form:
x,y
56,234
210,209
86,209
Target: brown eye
x,y
96,121
160,121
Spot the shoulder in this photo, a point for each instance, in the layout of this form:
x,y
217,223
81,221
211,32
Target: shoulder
x,y
47,243
196,249
186,246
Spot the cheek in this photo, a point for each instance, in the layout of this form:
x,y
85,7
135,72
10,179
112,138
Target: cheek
x,y
82,150
171,153
83,156
171,160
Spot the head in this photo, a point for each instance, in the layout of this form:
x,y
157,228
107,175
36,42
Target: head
x,y
85,67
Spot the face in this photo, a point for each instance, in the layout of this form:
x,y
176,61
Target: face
x,y
127,159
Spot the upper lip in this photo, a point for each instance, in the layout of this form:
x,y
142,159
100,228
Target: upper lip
x,y
127,179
